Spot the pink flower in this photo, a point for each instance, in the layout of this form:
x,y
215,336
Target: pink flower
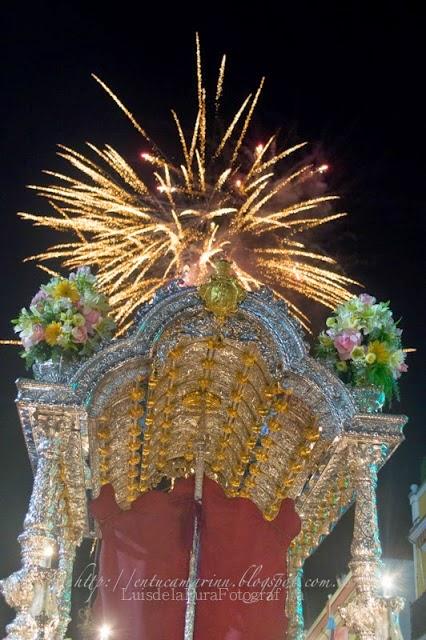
x,y
367,299
39,297
92,317
79,334
346,341
38,334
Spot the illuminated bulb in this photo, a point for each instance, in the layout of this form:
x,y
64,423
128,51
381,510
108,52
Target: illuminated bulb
x,y
387,582
105,632
259,149
238,183
48,550
146,156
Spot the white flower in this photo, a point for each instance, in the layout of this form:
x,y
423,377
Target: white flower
x,y
84,271
67,329
397,358
347,320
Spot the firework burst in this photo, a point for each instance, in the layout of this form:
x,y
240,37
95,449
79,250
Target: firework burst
x,y
219,201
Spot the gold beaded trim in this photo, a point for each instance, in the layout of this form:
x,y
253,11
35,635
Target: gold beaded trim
x,y
136,411
104,449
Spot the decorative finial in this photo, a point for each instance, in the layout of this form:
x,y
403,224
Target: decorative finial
x,y
223,292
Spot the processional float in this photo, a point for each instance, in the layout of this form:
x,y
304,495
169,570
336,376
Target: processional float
x,y
211,411
212,381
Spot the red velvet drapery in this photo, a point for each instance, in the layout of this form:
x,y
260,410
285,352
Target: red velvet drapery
x,y
144,564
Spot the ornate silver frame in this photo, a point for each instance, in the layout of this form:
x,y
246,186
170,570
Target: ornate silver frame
x,y
59,425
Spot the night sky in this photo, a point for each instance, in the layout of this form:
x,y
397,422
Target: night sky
x,y
346,79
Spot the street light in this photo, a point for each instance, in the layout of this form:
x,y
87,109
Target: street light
x,y
387,581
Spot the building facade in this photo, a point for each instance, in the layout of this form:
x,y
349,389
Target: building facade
x,y
397,582
343,595
417,537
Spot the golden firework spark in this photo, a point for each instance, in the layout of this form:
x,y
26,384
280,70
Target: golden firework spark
x,y
140,232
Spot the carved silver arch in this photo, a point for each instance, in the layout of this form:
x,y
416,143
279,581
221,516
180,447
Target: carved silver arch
x,y
177,311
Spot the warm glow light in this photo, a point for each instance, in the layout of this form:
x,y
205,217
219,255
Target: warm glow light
x,y
105,632
387,582
259,149
48,550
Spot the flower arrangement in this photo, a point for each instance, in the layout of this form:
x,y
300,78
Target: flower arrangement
x,y
67,319
363,345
